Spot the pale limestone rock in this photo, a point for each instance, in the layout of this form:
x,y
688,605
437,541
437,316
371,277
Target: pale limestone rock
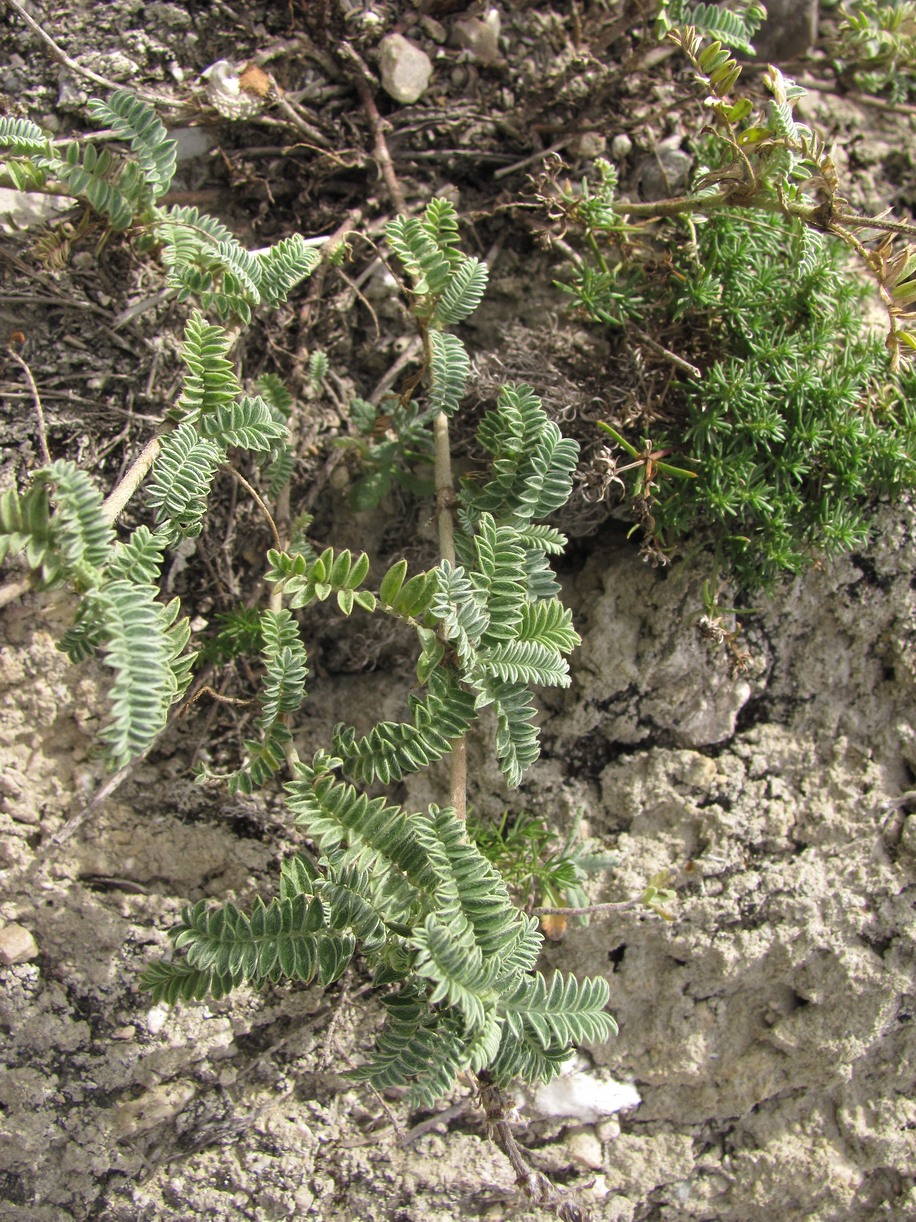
x,y
405,69
153,1108
585,1149
480,36
583,1096
621,146
16,945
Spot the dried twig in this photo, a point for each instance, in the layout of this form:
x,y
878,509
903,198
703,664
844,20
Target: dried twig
x,y
432,1122
316,283
13,590
36,399
514,168
365,82
621,906
412,353
259,501
206,690
673,357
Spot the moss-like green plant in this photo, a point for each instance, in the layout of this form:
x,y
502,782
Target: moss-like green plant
x,y
781,417
784,420
795,424
540,868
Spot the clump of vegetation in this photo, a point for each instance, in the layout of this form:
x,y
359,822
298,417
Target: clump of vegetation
x,y
875,47
539,868
776,416
794,424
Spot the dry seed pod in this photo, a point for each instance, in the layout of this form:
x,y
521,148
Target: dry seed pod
x,y
554,925
255,80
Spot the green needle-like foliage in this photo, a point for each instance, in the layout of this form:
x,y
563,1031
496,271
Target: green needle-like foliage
x,y
796,424
798,419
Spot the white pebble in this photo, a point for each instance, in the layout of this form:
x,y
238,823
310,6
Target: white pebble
x,y
156,1019
405,69
16,945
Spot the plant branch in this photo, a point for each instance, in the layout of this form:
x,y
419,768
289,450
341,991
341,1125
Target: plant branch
x,y
259,501
364,81
297,120
673,357
445,518
136,473
316,283
13,590
620,906
681,204
445,489
875,222
206,690
533,1183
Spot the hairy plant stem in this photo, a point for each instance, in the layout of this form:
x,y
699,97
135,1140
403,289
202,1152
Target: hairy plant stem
x,y
817,214
680,204
136,473
445,490
445,518
586,909
533,1183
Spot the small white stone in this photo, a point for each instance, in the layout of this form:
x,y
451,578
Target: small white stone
x,y
16,945
608,1130
480,37
588,145
156,1019
621,146
585,1149
25,209
191,143
405,69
